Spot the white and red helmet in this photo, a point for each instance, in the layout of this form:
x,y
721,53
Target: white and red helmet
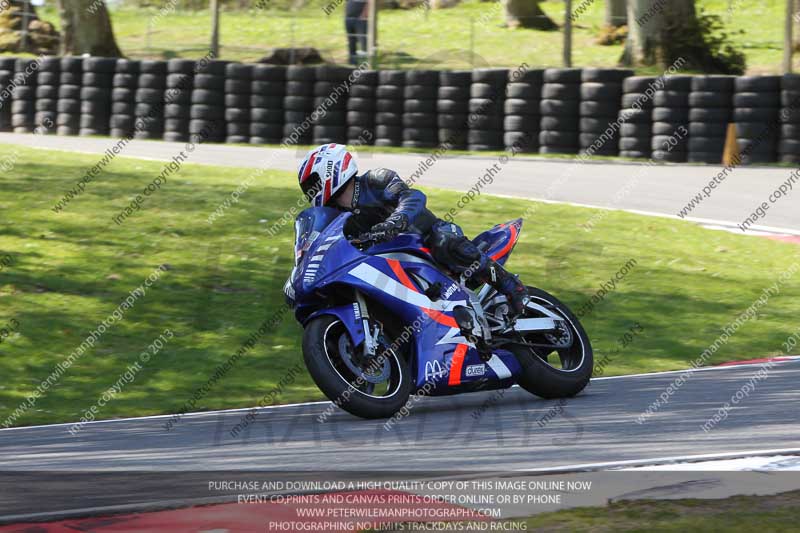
x,y
324,171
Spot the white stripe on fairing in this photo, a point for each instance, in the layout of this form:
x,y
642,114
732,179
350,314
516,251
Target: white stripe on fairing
x,y
373,276
402,256
499,367
454,336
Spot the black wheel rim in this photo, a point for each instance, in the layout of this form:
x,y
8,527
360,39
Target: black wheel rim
x,y
378,378
568,359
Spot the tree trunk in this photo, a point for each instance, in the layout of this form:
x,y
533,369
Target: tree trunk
x,y
659,32
86,28
617,13
527,14
796,32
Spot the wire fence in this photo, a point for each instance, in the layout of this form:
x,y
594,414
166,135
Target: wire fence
x,y
472,34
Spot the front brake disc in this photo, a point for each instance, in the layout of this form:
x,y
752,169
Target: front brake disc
x,y
371,370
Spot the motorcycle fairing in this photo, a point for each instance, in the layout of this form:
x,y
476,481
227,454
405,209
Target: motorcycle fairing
x,y
444,360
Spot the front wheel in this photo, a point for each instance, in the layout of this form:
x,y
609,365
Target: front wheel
x,y
561,363
369,388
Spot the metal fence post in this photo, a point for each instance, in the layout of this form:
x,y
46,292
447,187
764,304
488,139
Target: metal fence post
x,y
788,45
567,33
215,28
372,33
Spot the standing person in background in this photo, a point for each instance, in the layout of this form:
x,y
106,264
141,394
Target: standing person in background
x,y
355,24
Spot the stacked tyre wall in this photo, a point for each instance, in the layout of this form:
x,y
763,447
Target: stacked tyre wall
x,y
330,104
360,119
123,98
601,100
267,92
96,88
486,109
560,107
389,108
420,123
636,117
208,102
238,86
592,111
756,108
149,99
710,109
298,105
7,66
47,95
671,120
452,107
69,92
789,147
23,105
178,99
521,123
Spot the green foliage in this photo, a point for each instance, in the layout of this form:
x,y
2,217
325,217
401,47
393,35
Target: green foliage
x,y
706,43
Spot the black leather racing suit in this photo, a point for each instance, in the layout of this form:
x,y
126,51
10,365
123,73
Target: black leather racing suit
x,y
381,194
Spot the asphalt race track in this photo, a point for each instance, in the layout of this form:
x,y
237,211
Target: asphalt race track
x,y
479,431
661,189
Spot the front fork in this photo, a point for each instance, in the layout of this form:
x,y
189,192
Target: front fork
x,y
370,336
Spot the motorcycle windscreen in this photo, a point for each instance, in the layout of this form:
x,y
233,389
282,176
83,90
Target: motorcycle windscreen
x,y
307,226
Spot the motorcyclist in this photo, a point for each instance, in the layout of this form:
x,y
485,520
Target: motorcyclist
x,y
383,206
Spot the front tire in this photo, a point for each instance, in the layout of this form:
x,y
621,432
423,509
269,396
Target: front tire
x,y
376,389
555,373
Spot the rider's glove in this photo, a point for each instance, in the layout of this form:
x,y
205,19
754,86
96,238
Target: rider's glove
x,y
389,228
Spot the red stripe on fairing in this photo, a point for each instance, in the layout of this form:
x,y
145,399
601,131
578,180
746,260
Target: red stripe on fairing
x,y
509,245
438,316
426,250
456,364
308,167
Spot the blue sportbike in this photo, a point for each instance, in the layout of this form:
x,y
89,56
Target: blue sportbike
x,y
383,321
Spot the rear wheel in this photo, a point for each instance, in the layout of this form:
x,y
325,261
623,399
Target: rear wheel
x,y
377,387
561,363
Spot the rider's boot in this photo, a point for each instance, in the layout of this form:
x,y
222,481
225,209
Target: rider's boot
x,y
506,284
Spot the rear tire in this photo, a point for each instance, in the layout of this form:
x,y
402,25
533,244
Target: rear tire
x,y
577,362
335,379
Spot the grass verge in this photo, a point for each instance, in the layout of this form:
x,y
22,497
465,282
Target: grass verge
x,y
68,271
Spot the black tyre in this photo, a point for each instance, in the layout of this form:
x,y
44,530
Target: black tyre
x,y
525,91
555,372
602,92
376,390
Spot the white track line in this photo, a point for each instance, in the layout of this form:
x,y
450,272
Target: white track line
x,y
788,359
697,220
663,460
